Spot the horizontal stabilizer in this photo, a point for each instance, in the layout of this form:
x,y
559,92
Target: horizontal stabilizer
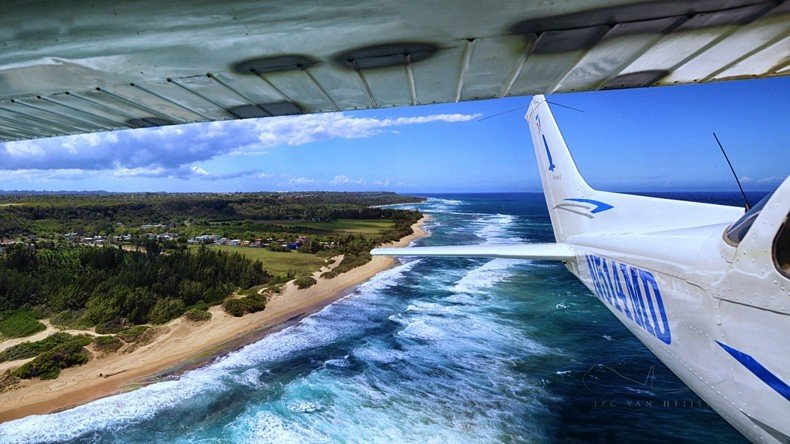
x,y
548,252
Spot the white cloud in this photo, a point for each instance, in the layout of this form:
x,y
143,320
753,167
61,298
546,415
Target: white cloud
x,y
770,180
300,130
197,169
300,180
177,151
343,179
383,183
46,175
139,172
23,149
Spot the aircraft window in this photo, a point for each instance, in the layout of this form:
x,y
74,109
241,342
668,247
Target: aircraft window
x,y
737,231
781,251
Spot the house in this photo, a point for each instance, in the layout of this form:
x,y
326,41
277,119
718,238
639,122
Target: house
x,y
245,243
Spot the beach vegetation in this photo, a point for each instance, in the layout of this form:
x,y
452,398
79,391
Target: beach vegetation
x,y
107,344
27,350
202,305
254,302
19,323
349,262
110,327
165,310
234,307
196,315
7,380
133,334
72,319
48,365
305,281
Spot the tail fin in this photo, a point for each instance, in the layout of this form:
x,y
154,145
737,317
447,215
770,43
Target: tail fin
x,y
576,208
569,199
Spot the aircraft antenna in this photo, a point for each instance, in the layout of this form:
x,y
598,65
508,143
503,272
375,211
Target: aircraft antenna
x,y
745,200
524,106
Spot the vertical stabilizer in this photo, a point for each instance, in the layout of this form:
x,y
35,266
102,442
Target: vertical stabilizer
x,y
568,196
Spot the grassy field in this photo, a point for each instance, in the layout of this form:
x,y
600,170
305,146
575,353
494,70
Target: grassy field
x,y
358,226
277,262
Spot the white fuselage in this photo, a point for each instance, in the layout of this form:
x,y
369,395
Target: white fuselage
x,y
665,288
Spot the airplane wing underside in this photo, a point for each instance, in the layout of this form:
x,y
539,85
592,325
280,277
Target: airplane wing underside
x,y
81,67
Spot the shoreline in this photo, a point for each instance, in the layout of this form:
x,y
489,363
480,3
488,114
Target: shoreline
x,y
187,345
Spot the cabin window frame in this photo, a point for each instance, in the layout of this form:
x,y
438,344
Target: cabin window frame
x,y
740,228
783,237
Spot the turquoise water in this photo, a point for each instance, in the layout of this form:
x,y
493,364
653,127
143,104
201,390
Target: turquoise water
x,y
434,350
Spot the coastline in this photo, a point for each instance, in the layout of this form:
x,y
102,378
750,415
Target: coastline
x,y
186,345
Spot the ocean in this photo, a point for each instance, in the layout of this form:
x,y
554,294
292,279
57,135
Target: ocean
x,y
431,351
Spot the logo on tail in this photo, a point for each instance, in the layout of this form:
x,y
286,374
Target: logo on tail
x,y
583,207
548,153
546,144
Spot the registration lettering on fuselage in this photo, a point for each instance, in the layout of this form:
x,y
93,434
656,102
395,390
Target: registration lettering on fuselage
x,y
632,291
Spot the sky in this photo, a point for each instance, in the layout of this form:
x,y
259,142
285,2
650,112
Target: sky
x,y
646,139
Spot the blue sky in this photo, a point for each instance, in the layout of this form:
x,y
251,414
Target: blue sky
x,y
649,139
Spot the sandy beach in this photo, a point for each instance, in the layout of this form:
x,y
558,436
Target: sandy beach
x,y
181,345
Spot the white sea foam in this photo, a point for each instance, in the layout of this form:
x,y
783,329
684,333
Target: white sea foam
x,y
302,406
495,229
250,378
421,329
267,427
342,362
378,353
485,276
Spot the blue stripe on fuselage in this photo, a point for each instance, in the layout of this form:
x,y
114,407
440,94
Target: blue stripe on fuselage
x,y
759,370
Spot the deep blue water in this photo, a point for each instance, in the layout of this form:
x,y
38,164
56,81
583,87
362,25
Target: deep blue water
x,y
434,350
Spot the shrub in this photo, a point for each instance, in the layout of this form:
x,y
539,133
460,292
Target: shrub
x,y
7,380
304,282
133,334
19,323
165,310
253,303
196,315
107,344
201,305
110,327
31,349
69,319
234,307
48,364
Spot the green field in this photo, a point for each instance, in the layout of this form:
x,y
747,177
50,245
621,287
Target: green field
x,y
277,262
358,226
